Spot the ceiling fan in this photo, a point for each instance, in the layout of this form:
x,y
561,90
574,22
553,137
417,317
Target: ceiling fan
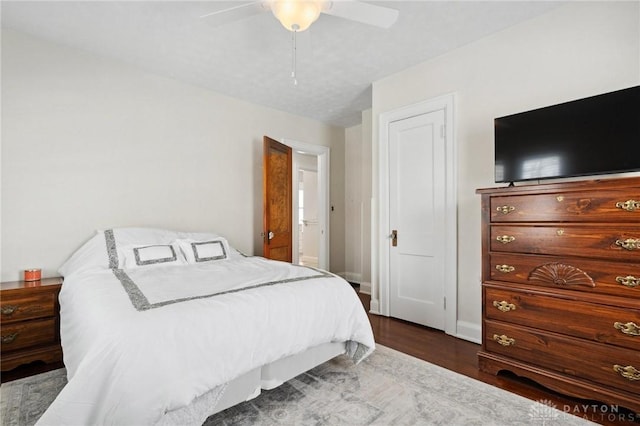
x,y
298,15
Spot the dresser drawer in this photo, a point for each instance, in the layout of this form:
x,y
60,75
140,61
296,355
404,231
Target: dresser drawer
x,y
588,206
614,278
28,333
597,362
600,323
604,242
17,307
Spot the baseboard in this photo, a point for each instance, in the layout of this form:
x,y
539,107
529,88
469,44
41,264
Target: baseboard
x,y
469,331
374,307
365,288
309,260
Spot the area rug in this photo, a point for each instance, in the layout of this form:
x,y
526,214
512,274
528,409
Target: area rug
x,y
388,388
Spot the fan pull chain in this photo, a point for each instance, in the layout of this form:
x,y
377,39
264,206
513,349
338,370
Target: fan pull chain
x,y
293,57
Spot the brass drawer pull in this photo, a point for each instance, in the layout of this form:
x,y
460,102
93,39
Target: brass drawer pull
x,y
629,328
629,243
504,340
505,239
504,306
505,209
629,205
628,372
628,281
8,338
8,310
505,268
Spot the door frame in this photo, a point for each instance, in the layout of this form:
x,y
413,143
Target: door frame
x,y
323,155
445,103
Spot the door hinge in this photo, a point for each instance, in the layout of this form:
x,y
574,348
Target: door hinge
x,y
445,304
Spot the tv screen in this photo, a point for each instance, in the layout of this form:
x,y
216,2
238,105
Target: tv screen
x,y
591,136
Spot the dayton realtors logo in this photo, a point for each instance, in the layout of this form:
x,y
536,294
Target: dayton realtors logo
x,y
545,412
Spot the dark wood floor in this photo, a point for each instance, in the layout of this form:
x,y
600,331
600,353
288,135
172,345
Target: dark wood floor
x,y
460,356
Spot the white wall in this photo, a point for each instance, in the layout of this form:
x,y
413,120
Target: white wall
x,y
91,143
358,202
577,50
353,204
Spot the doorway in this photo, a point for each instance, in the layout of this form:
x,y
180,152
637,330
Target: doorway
x,y
417,215
310,204
307,225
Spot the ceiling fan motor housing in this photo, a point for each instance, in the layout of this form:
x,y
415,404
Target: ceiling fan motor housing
x,y
297,15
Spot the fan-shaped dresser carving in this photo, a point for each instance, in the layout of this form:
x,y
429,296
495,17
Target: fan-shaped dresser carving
x,y
561,275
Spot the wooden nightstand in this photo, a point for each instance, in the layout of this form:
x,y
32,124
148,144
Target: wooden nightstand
x,y
30,322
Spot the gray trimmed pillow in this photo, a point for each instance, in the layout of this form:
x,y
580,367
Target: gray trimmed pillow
x,y
150,255
158,254
204,251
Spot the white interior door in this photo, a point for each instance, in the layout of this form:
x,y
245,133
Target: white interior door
x,y
417,206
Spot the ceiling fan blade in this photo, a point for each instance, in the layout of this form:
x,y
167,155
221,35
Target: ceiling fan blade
x,y
365,13
235,13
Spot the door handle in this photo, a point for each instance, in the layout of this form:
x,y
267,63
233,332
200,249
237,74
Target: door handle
x,y
268,236
394,238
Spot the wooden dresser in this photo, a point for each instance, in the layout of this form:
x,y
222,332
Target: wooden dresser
x,y
30,322
561,286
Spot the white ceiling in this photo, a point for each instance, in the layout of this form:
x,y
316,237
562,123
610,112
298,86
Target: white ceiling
x,y
250,59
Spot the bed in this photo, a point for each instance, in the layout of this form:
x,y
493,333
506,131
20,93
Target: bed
x,y
163,327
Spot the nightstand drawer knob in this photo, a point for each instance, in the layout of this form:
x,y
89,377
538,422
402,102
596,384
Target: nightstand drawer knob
x,y
505,209
629,328
506,239
628,372
504,340
504,306
505,268
8,310
8,338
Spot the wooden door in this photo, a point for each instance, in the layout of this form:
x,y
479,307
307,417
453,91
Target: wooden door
x,y
417,219
277,201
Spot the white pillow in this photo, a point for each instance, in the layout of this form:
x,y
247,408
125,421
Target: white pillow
x,y
153,255
90,256
204,251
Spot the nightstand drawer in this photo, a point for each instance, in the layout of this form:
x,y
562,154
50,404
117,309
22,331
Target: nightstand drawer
x,y
18,308
595,322
28,333
596,362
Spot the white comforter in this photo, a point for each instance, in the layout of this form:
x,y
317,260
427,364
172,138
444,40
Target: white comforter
x,y
138,344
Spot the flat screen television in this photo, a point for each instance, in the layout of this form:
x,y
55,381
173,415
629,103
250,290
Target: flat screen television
x,y
590,136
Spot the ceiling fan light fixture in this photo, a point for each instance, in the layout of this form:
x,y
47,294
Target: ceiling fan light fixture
x,y
296,15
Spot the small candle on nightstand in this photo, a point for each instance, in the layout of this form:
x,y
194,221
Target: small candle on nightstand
x,y
32,274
